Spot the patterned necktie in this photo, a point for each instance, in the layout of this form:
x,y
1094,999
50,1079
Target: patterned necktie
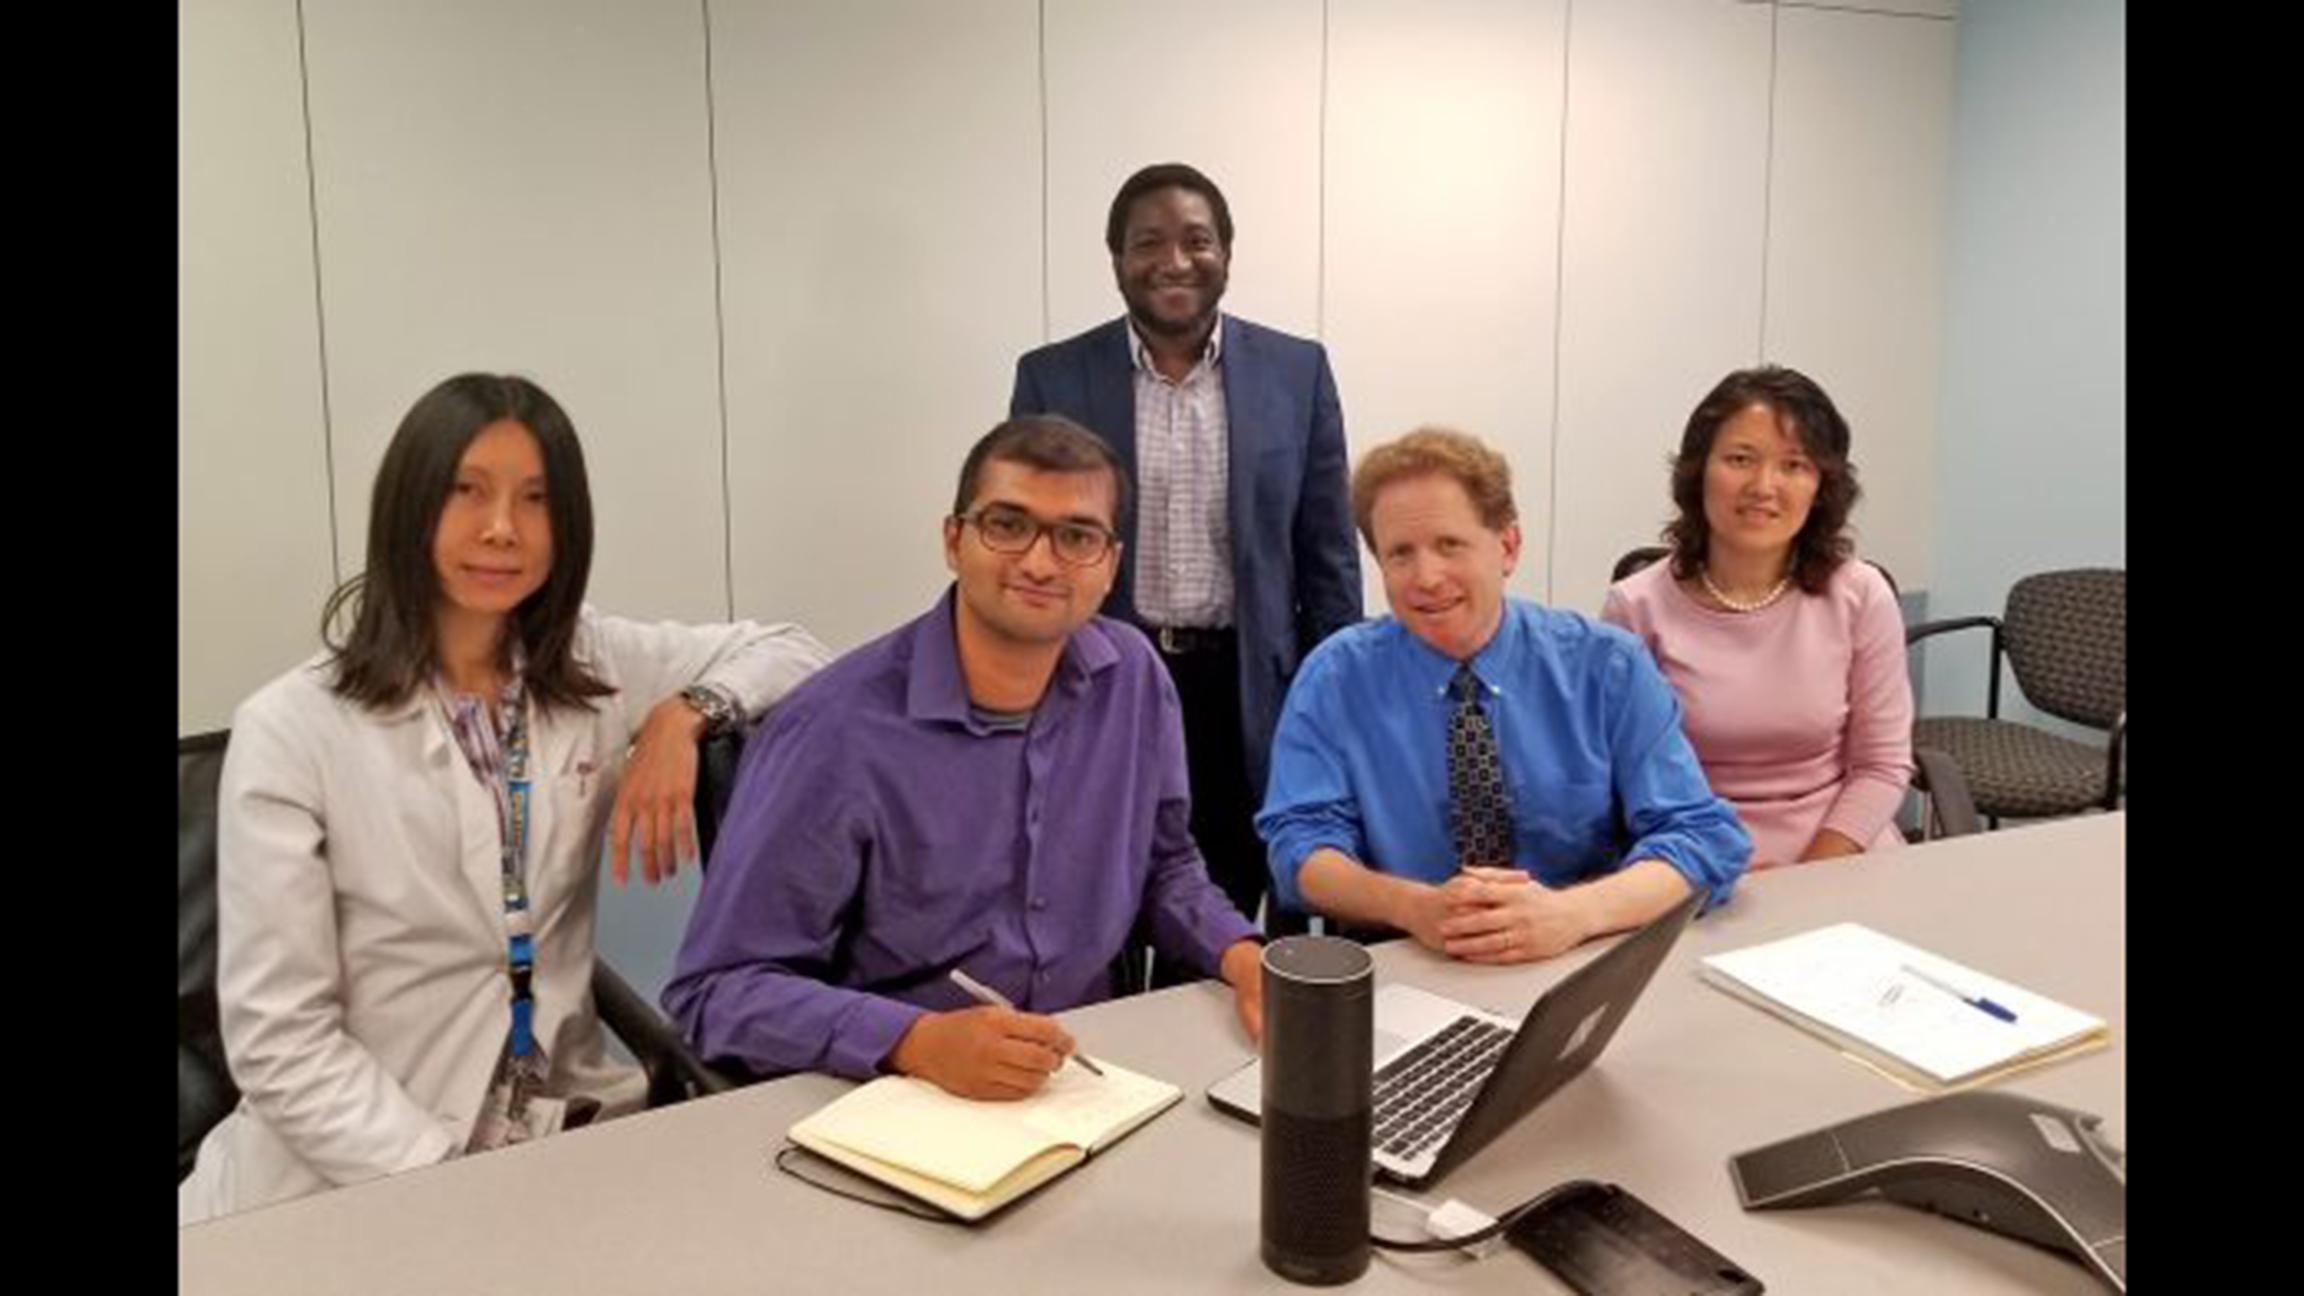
x,y
1479,809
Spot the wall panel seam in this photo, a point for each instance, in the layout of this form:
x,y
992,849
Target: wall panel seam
x,y
1767,193
319,304
1559,307
1320,208
1859,9
719,322
1047,318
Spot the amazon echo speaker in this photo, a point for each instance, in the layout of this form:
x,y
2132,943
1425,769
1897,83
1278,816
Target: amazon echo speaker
x,y
1319,1053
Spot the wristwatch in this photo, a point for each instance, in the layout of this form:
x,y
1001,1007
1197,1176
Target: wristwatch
x,y
712,702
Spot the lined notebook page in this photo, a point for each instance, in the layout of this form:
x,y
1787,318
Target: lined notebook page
x,y
915,1125
974,1144
1851,979
1078,1108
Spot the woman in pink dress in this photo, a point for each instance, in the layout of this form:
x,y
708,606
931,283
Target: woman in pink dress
x,y
1787,652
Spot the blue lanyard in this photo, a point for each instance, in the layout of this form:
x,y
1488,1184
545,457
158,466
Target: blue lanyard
x,y
520,956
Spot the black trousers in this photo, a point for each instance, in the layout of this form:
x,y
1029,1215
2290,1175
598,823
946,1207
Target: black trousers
x,y
1207,676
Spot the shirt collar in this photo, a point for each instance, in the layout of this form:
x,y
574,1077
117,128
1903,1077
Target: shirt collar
x,y
1210,355
935,690
1432,670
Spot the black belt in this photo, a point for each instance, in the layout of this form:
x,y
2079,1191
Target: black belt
x,y
1180,641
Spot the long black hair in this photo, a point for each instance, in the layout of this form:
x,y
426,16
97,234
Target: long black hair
x,y
392,647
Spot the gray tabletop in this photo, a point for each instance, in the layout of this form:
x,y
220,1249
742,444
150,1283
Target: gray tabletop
x,y
684,1199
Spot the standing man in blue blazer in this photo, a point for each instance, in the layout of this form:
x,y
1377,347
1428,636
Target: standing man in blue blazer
x,y
1240,553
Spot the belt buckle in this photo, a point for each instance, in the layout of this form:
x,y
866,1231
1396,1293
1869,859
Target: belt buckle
x,y
1167,641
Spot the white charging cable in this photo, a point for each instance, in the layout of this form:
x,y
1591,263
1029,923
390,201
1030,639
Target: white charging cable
x,y
1452,1225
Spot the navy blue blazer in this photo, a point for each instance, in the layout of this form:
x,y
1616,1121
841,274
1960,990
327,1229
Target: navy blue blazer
x,y
1295,558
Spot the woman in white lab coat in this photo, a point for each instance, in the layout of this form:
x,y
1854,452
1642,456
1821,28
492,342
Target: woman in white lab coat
x,y
379,853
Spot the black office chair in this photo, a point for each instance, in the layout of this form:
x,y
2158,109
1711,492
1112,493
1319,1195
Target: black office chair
x,y
681,1074
205,1093
2064,634
675,1072
1635,559
717,757
1947,808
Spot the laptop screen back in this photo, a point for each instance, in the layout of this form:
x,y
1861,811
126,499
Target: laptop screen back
x,y
1568,1028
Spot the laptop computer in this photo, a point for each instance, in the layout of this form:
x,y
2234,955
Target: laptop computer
x,y
1450,1077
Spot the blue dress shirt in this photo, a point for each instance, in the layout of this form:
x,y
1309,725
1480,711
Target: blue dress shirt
x,y
1599,771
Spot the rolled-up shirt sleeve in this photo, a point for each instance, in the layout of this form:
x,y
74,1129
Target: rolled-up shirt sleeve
x,y
755,664
1309,803
751,980
1668,806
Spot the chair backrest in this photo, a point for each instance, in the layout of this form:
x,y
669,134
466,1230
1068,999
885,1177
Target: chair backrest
x,y
1635,560
205,1093
717,758
2066,635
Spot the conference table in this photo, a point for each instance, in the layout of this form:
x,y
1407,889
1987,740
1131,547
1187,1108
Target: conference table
x,y
685,1199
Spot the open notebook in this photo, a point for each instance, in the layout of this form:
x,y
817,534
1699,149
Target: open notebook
x,y
970,1157
1900,1008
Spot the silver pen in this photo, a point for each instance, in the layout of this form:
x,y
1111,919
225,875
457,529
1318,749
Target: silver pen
x,y
985,994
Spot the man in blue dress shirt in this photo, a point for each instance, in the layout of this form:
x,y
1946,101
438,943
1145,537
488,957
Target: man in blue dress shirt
x,y
1501,781
996,788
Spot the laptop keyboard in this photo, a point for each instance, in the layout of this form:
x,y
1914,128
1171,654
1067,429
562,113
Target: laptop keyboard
x,y
1420,1094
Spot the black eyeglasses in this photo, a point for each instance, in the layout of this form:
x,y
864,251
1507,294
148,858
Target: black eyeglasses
x,y
1007,529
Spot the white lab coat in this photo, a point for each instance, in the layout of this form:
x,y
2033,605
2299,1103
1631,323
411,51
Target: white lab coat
x,y
360,910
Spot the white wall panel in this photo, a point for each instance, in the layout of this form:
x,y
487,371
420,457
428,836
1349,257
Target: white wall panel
x,y
524,185
880,236
1443,202
1661,264
1231,88
1855,251
252,532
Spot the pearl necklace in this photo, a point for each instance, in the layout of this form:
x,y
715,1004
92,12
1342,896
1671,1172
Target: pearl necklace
x,y
1783,583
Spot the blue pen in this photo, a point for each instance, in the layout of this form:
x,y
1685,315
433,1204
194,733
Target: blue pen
x,y
1977,1002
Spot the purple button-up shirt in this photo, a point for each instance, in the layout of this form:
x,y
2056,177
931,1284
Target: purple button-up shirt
x,y
880,836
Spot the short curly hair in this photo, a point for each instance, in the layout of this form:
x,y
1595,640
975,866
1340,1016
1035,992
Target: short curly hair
x,y
1795,399
1166,175
1435,451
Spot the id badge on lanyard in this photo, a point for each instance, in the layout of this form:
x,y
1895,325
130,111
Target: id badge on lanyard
x,y
519,918
514,1110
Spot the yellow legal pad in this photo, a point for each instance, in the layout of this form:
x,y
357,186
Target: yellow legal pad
x,y
972,1157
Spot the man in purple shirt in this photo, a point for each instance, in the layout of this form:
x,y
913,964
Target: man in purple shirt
x,y
996,788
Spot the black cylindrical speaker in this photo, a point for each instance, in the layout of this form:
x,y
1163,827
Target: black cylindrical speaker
x,y
1319,1044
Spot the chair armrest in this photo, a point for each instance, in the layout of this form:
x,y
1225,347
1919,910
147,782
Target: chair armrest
x,y
1914,634
1950,804
674,1071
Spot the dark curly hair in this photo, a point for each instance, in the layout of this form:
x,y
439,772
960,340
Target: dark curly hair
x,y
1823,543
1166,175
